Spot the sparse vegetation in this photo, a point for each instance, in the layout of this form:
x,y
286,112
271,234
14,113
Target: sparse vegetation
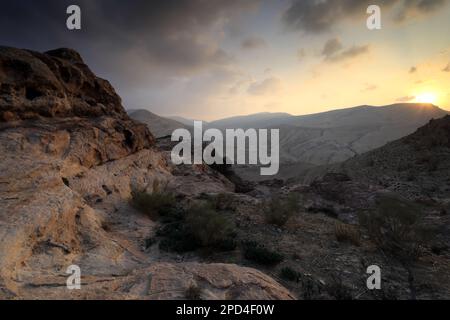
x,y
311,289
347,233
329,211
395,226
224,201
336,289
159,203
279,211
176,237
289,274
209,228
200,227
258,253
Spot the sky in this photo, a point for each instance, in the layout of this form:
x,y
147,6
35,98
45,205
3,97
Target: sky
x,y
210,59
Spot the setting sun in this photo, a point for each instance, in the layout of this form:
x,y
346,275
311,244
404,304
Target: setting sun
x,y
427,97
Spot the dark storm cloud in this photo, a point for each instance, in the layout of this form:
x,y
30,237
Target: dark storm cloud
x,y
168,38
318,16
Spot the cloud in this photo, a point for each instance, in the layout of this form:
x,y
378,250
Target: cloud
x,y
413,8
369,87
301,54
270,85
348,54
316,16
253,42
447,68
166,54
138,39
331,47
406,99
413,70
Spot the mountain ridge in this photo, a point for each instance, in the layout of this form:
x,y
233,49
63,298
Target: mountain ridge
x,y
159,126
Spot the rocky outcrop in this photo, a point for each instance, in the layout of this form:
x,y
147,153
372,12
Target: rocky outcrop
x,y
55,84
70,160
168,281
415,166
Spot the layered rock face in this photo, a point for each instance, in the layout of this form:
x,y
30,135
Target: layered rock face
x,y
70,157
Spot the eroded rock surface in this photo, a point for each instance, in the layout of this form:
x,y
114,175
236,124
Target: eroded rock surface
x,y
70,158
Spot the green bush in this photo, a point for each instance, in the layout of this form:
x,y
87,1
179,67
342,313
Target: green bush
x,y
260,254
200,227
210,228
177,238
279,211
155,205
395,225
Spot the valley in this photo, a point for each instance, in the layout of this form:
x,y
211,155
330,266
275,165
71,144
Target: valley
x,y
81,183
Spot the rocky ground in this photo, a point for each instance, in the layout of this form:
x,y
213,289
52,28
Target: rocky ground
x,y
71,159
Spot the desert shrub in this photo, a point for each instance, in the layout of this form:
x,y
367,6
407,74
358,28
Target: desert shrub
x,y
193,292
223,201
310,288
395,225
210,228
338,290
200,227
279,211
329,211
155,205
258,253
347,233
289,274
177,238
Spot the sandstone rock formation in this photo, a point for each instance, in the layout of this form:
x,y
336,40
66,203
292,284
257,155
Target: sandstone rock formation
x,y
70,158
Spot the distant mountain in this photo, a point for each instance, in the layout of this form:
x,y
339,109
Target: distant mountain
x,y
338,135
185,121
159,126
250,121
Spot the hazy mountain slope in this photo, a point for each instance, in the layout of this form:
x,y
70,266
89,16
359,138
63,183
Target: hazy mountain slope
x,y
417,165
257,120
185,121
336,136
159,126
